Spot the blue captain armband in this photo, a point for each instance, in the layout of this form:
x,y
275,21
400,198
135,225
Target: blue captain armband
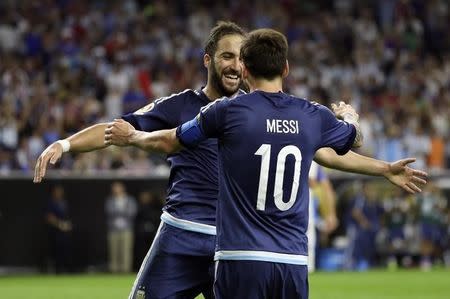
x,y
190,134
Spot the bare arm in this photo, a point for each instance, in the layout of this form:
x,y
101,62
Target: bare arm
x,y
164,141
122,133
398,173
89,139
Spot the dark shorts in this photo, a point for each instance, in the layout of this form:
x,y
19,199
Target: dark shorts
x,y
179,264
260,280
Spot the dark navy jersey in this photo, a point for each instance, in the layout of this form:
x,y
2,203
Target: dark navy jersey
x,y
193,185
266,145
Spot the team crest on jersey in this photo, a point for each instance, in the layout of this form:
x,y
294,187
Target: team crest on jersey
x,y
145,109
140,294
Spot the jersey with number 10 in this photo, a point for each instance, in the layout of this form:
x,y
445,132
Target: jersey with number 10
x,y
266,145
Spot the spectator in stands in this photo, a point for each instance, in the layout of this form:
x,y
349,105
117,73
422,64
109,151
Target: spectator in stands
x,y
59,225
392,60
120,210
432,223
366,214
395,219
146,224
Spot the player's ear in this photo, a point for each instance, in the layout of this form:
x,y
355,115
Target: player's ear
x,y
206,60
244,72
286,69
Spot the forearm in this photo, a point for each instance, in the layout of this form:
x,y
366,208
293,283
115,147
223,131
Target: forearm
x,y
89,139
351,162
164,141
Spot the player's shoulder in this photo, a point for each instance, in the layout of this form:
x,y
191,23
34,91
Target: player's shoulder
x,y
187,93
174,99
220,102
241,96
307,104
313,105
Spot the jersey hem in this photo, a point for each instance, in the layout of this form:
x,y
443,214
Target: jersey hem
x,y
265,256
188,225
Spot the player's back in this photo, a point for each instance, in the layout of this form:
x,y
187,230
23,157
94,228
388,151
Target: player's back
x,y
265,149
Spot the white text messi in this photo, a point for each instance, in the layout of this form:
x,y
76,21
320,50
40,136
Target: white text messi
x,y
282,126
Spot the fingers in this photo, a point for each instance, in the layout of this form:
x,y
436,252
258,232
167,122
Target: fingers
x,y
44,165
417,180
37,178
41,167
408,189
108,139
54,158
413,187
407,161
420,173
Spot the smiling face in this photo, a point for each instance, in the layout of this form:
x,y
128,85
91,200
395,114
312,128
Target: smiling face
x,y
225,68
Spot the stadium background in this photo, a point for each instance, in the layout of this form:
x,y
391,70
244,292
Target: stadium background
x,y
67,64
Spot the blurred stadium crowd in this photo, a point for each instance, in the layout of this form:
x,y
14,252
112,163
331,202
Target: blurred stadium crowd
x,y
66,64
383,226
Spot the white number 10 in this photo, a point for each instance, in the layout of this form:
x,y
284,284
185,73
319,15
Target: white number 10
x,y
264,152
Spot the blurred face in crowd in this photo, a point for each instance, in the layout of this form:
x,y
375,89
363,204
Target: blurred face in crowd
x,y
118,189
225,68
58,193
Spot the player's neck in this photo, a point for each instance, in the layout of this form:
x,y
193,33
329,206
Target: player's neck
x,y
275,85
211,93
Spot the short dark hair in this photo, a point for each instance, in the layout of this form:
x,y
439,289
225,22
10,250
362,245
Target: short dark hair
x,y
220,30
264,53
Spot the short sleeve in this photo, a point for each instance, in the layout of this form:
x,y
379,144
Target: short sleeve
x,y
208,123
212,118
337,134
158,115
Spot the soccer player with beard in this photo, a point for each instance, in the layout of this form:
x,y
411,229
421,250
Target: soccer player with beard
x,y
267,140
179,263
182,243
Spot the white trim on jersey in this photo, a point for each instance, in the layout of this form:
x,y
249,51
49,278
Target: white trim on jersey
x,y
188,225
144,262
207,106
265,256
162,99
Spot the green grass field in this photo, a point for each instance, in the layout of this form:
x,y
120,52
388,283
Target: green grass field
x,y
370,285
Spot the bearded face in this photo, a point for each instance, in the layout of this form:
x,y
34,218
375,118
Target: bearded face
x,y
225,68
225,80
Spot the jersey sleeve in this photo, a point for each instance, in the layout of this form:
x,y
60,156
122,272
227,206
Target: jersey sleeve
x,y
209,123
158,115
337,134
212,116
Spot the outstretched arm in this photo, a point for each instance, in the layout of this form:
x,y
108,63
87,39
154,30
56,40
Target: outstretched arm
x,y
89,139
398,173
122,133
